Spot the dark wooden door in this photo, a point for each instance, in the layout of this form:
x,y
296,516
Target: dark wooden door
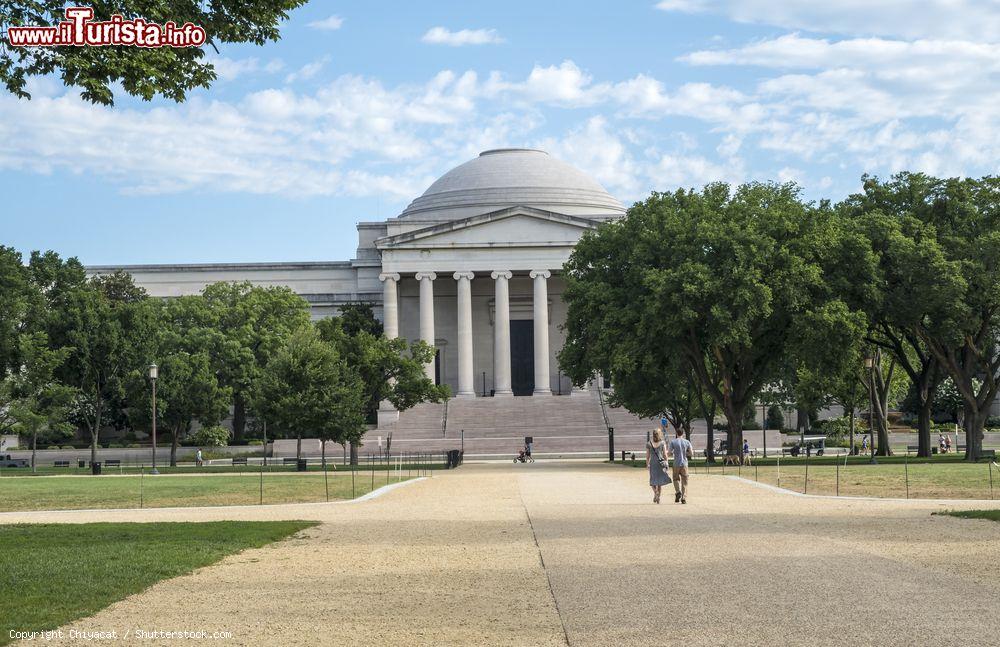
x,y
522,357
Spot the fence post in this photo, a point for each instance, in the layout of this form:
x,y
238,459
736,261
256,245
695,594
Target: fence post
x,y
779,470
262,483
906,472
141,471
353,472
805,487
755,473
837,463
371,466
990,467
326,480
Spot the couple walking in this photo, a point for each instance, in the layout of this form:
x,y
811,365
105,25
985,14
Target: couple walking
x,y
657,452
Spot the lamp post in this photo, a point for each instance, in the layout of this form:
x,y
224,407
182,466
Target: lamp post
x,y
154,372
870,367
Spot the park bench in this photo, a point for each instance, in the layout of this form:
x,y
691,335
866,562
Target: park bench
x,y
912,448
289,461
60,464
239,460
988,454
112,462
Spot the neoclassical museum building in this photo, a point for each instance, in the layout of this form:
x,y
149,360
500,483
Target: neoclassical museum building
x,y
473,267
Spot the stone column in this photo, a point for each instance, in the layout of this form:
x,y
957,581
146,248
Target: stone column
x,y
501,334
427,314
466,387
540,304
390,325
390,304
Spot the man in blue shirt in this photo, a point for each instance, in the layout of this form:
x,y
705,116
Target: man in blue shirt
x,y
680,448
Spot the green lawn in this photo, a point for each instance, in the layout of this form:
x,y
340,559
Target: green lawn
x,y
941,478
993,515
52,574
168,490
45,468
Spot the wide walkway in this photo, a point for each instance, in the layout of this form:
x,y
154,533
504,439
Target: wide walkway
x,y
557,553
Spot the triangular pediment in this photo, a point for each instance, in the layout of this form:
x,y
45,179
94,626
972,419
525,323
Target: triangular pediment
x,y
511,227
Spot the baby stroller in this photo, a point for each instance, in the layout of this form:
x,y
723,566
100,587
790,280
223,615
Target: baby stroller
x,y
523,457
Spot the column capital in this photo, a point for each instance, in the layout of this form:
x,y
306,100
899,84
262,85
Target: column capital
x,y
420,276
501,274
389,276
545,274
464,275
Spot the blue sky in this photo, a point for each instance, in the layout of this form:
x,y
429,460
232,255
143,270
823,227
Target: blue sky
x,y
361,105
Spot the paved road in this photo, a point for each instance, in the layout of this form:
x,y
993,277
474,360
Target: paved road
x,y
557,553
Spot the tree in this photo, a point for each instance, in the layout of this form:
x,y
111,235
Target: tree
x,y
142,72
938,245
309,388
41,406
255,323
390,369
15,298
109,338
733,280
188,388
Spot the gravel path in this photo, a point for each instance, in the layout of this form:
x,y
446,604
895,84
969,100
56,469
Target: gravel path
x,y
554,552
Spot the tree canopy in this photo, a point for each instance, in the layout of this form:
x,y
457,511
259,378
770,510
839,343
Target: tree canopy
x,y
141,72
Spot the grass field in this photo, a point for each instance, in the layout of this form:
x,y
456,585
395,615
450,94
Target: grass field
x,y
168,490
941,478
53,574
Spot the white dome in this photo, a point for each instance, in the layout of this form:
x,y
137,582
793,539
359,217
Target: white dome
x,y
508,177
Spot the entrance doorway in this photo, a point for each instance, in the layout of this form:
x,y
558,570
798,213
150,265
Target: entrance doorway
x,y
437,366
522,356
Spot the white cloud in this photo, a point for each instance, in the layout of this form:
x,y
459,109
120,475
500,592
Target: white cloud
x,y
444,36
332,23
228,69
308,71
947,19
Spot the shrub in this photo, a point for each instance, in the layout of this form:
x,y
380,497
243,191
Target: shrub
x,y
210,437
256,442
68,447
52,447
775,419
134,446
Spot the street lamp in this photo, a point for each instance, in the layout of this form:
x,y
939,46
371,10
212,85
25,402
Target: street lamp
x,y
870,367
153,373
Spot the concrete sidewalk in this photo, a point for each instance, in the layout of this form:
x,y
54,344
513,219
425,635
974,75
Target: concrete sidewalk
x,y
575,552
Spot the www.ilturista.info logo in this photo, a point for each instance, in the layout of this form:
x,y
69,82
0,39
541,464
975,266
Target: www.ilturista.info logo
x,y
80,30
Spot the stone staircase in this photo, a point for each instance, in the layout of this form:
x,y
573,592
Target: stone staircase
x,y
560,425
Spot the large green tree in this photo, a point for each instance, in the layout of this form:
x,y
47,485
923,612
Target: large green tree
x,y
141,72
938,245
188,389
41,406
109,329
309,389
255,323
391,369
732,280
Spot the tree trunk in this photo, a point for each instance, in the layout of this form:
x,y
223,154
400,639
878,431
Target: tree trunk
x,y
709,431
95,432
239,417
175,436
298,446
34,450
322,452
924,428
734,433
974,423
851,427
354,452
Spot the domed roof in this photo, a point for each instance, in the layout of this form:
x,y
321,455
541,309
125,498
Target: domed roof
x,y
508,177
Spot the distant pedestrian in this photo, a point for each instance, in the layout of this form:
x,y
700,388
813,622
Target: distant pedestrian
x,y
197,458
527,448
680,448
656,460
864,443
942,445
947,444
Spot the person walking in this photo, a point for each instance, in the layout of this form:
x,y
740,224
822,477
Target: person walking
x,y
656,460
680,448
197,458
